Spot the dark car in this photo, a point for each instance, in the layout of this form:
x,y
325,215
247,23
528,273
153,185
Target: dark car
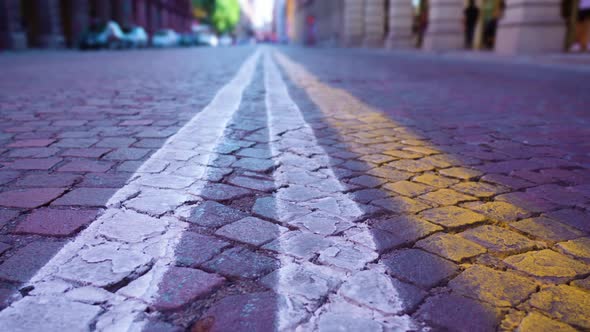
x,y
103,35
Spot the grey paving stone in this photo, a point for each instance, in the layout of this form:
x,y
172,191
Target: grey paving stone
x,y
242,263
213,214
452,312
181,286
195,249
222,192
251,230
418,267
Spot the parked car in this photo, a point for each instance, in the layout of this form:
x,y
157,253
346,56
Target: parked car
x,y
165,38
226,40
103,35
135,37
188,39
207,39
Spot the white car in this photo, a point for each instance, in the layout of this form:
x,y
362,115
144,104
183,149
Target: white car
x,y
207,39
135,37
165,38
225,40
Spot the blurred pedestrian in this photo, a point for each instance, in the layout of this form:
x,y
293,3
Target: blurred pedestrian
x,y
583,27
471,15
491,26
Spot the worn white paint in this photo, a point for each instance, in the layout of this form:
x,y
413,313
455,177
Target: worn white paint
x,y
131,236
337,271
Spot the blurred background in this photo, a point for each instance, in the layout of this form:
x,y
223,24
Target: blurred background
x,y
504,26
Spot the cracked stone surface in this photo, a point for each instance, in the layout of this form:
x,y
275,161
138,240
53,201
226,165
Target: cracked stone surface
x,y
297,190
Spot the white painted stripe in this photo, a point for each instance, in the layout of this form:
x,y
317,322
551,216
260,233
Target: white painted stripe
x,y
338,271
129,238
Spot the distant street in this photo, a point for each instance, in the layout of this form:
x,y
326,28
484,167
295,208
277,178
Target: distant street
x,y
292,189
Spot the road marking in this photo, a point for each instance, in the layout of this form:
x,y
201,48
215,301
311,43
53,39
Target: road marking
x,y
130,240
306,181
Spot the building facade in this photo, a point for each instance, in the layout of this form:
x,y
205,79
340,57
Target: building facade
x,y
60,23
506,26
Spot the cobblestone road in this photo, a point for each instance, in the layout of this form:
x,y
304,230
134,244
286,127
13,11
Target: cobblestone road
x,y
246,189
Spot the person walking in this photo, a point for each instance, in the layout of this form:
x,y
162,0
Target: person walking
x,y
471,15
583,25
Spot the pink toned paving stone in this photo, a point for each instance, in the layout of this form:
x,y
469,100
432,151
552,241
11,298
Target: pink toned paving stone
x,y
32,152
95,197
7,176
137,122
181,286
85,153
26,261
7,215
35,164
54,222
3,248
85,165
31,143
29,198
47,180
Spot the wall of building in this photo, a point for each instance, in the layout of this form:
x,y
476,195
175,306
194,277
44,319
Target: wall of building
x,y
377,23
60,23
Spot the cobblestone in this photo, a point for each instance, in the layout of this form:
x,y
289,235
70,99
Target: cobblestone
x,y
452,216
579,248
497,288
450,246
565,303
316,202
252,231
548,264
547,229
497,239
54,222
431,270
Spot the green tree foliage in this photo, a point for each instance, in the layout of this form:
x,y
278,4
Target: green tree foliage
x,y
223,15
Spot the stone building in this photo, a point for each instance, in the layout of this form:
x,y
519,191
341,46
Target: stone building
x,y
59,23
523,26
